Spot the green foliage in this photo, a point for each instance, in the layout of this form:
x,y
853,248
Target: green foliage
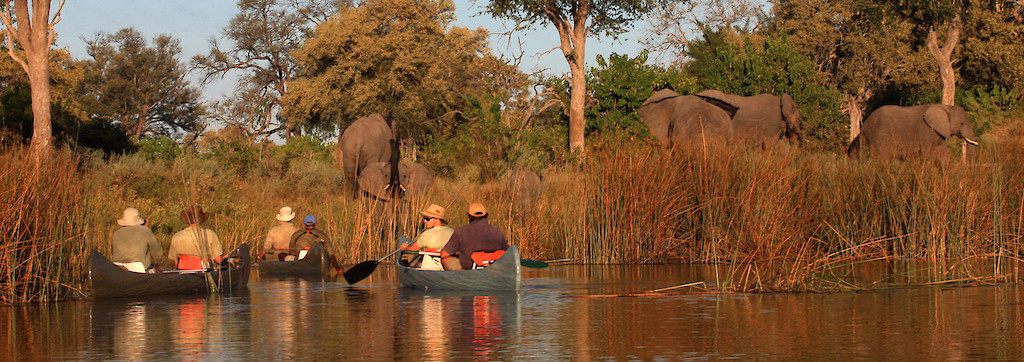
x,y
747,65
605,17
990,107
400,58
159,148
479,140
304,147
236,154
142,86
621,84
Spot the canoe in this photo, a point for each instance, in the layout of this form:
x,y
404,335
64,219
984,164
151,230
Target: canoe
x,y
503,274
111,281
316,262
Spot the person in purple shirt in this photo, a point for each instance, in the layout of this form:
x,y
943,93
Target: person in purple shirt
x,y
478,235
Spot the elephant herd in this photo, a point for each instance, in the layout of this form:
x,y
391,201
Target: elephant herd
x,y
766,119
366,147
763,120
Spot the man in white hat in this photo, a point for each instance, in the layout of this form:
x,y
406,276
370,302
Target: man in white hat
x,y
278,237
434,237
134,246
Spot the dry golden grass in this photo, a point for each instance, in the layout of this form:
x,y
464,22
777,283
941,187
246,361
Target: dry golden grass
x,y
781,219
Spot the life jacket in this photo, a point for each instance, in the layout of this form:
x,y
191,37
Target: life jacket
x,y
190,262
484,258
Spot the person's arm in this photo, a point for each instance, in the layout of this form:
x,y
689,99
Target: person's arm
x,y
293,241
415,246
268,243
156,252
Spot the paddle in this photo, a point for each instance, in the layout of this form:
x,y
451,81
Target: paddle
x,y
533,263
362,270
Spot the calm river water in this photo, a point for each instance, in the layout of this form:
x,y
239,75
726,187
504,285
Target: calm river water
x,y
292,318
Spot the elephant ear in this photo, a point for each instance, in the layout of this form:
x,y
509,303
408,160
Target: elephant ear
x,y
938,119
718,99
416,178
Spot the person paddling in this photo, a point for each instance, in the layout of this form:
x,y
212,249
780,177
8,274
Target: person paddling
x,y
477,236
431,240
194,246
134,246
304,239
277,245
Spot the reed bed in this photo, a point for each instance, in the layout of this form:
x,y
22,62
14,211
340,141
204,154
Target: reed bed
x,y
42,228
773,220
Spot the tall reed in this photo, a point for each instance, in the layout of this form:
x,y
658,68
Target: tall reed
x,y
42,228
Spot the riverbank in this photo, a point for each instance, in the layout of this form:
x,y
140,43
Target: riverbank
x,y
783,218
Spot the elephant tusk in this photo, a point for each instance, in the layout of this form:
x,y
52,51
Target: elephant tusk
x,y
973,142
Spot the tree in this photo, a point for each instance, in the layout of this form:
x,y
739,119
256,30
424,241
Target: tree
x,y
263,35
401,58
570,18
31,29
140,86
672,25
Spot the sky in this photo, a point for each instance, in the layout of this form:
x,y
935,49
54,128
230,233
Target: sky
x,y
194,22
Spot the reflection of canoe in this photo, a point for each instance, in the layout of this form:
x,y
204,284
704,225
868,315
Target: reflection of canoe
x,y
110,281
316,262
502,275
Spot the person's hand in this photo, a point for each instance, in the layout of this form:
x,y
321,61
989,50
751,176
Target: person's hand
x,y
404,247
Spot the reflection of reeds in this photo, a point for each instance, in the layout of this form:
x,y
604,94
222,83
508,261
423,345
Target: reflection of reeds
x,y
42,224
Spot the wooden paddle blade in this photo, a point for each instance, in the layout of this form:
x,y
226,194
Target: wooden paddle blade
x,y
360,271
533,263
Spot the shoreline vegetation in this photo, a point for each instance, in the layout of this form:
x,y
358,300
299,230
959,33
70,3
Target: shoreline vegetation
x,y
782,219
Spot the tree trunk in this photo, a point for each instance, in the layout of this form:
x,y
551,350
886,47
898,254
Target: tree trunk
x,y
944,58
856,116
30,28
39,81
577,99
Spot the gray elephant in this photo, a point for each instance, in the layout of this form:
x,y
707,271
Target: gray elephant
x,y
762,118
414,179
525,186
894,131
673,118
364,142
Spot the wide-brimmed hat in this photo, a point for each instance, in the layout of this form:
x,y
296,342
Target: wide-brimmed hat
x,y
193,215
285,214
477,209
130,217
434,211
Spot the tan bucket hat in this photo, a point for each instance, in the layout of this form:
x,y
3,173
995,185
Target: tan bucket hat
x,y
477,209
434,211
130,217
285,214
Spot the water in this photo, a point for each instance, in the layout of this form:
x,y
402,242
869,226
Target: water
x,y
555,316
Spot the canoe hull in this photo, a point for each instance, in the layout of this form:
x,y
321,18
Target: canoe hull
x,y
503,275
111,281
316,262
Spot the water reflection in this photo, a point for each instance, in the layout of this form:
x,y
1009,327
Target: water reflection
x,y
551,318
472,324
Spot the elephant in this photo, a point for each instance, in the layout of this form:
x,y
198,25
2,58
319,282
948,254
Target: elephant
x,y
364,142
414,179
673,118
524,186
762,118
901,132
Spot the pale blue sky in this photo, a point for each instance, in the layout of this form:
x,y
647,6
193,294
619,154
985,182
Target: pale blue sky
x,y
195,21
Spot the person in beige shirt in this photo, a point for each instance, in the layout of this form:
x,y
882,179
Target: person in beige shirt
x,y
195,241
276,246
135,243
433,238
